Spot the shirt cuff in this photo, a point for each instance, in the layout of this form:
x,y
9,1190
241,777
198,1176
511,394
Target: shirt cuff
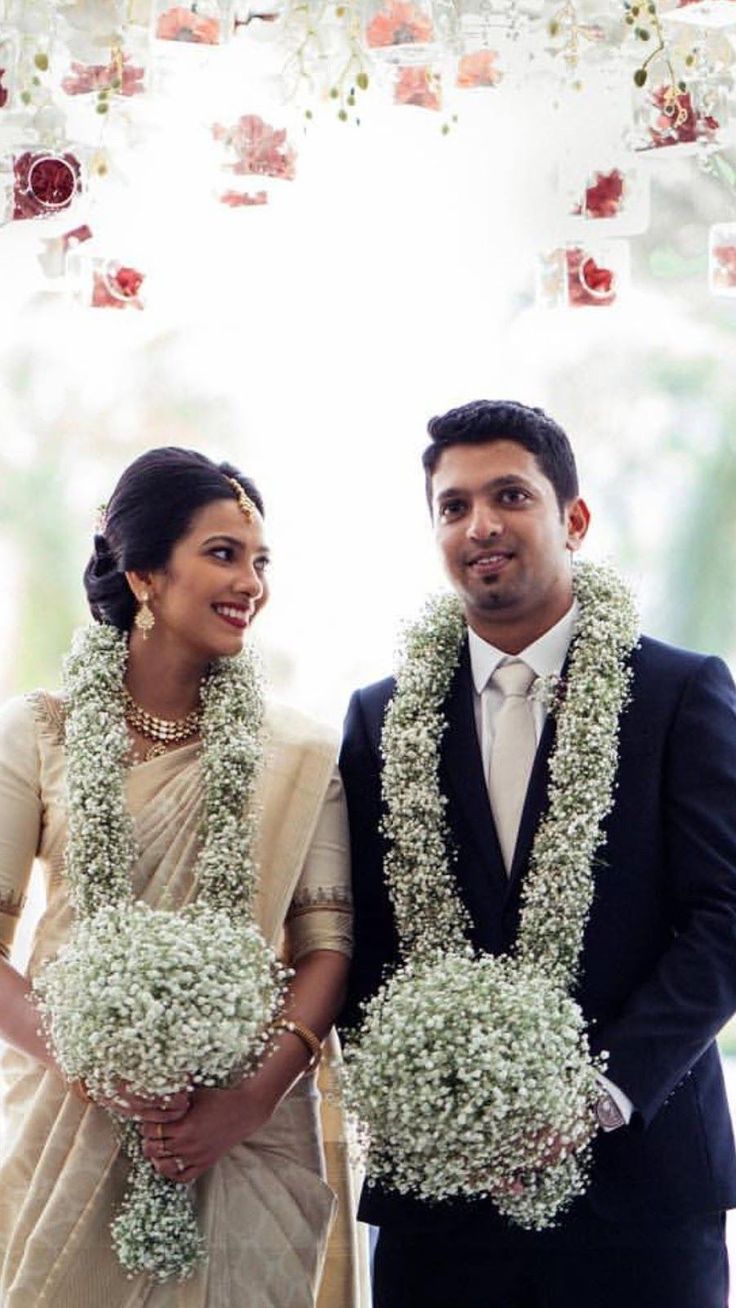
x,y
620,1099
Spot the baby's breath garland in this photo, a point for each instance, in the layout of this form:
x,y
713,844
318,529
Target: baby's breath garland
x,y
468,1072
151,998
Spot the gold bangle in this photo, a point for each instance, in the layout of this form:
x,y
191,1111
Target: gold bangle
x,y
79,1089
307,1037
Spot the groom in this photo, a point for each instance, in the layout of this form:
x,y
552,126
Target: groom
x,y
658,975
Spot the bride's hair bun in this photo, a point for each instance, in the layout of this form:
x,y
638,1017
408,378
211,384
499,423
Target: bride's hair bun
x,y
108,593
103,558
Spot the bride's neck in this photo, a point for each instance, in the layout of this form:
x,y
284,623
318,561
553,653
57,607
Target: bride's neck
x,y
163,680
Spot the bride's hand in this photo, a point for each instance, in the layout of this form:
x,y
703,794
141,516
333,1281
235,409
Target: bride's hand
x,y
217,1120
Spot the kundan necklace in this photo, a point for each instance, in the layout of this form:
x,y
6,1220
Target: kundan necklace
x,y
163,731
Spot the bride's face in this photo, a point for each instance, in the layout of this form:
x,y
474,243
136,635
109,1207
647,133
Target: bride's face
x,y
214,583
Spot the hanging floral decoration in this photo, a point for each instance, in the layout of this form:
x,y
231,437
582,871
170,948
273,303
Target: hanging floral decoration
x,y
418,86
68,66
478,69
184,24
603,196
258,148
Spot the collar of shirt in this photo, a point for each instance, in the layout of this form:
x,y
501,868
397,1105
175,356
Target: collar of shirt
x,y
544,656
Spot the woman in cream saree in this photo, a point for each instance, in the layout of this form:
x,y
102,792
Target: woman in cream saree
x,y
264,1207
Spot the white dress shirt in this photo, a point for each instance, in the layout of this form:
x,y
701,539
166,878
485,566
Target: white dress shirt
x,y
545,656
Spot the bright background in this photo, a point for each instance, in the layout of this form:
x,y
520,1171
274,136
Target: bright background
x,y
310,340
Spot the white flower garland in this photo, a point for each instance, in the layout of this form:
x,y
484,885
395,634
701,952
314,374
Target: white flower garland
x,y
445,1116
101,847
148,997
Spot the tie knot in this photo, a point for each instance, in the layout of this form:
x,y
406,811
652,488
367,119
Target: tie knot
x,y
513,679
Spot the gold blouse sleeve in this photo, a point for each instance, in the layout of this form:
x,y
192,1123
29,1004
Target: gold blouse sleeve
x,y
20,811
320,915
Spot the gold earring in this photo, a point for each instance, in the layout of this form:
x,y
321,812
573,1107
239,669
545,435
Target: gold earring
x,y
144,619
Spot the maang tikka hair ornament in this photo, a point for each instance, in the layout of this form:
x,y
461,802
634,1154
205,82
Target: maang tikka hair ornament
x,y
245,503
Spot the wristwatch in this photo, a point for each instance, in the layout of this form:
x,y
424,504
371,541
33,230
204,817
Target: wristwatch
x,y
608,1113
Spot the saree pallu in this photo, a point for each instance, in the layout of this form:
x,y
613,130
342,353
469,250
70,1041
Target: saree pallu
x,y
265,1208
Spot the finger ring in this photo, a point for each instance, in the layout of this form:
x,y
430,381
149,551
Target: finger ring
x,y
159,1130
180,1165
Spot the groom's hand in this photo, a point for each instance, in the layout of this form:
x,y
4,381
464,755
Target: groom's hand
x,y
556,1148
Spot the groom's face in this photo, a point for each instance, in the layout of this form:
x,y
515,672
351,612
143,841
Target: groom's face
x,y
505,541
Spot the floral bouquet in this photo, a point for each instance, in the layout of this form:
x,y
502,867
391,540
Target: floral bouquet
x,y
501,1059
158,1002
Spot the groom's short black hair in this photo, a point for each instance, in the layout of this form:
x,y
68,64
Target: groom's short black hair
x,y
483,421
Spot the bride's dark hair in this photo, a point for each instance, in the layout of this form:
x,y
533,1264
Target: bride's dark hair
x,y
150,509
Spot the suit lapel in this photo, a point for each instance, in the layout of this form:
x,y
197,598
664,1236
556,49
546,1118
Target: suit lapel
x,y
463,780
537,795
535,802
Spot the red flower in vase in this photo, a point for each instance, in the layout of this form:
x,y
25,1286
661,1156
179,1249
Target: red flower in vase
x,y
418,86
116,288
76,237
4,92
678,122
84,78
44,183
182,24
243,199
261,149
587,282
400,23
724,272
478,69
604,197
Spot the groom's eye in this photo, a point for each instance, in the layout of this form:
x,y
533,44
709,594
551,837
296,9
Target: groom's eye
x,y
451,508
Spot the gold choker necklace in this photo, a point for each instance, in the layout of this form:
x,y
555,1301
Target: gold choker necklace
x,y
163,731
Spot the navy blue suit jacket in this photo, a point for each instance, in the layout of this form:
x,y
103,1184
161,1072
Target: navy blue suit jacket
x,y
659,964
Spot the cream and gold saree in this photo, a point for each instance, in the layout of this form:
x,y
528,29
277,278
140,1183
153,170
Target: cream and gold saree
x,y
266,1208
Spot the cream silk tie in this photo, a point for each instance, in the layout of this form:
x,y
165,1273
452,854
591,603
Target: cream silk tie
x,y
512,753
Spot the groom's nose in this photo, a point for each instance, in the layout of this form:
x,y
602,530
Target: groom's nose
x,y
484,521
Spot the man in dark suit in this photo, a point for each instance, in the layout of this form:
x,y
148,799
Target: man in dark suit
x,y
658,976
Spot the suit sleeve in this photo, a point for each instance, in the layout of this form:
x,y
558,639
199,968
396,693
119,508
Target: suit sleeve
x,y
672,1017
375,943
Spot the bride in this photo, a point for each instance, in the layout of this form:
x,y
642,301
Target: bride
x,y
180,569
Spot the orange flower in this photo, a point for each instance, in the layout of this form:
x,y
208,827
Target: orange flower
x,y
182,24
419,86
400,23
478,69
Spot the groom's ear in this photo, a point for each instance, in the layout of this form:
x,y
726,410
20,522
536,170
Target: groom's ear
x,y
577,521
